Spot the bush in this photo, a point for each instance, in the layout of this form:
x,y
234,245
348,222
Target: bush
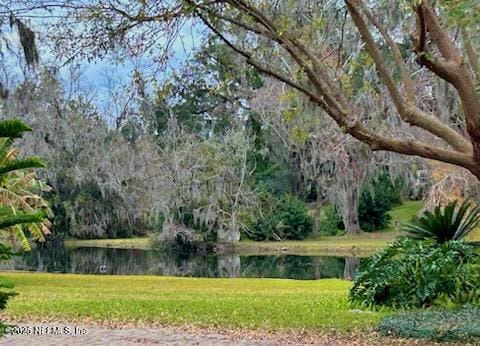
x,y
331,221
281,219
452,222
438,325
377,199
411,273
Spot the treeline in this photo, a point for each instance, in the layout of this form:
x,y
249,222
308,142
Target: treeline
x,y
215,153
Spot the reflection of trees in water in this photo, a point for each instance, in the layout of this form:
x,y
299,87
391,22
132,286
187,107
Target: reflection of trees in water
x,y
351,266
184,264
229,266
44,258
131,262
294,267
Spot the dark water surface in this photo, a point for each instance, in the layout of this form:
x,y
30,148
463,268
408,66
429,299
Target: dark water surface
x,y
108,261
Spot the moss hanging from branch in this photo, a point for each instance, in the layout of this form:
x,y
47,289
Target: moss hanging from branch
x,y
27,40
3,92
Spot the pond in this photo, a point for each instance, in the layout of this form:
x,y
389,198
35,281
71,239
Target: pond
x,y
109,261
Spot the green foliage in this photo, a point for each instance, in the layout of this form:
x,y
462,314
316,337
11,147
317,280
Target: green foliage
x,y
452,222
15,165
9,217
13,128
272,174
22,208
377,199
464,13
5,285
411,273
90,213
438,325
207,92
331,221
286,218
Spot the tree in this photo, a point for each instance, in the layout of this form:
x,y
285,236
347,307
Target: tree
x,y
324,160
204,185
318,65
103,185
208,94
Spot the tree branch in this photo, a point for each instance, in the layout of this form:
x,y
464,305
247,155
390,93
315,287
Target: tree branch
x,y
408,112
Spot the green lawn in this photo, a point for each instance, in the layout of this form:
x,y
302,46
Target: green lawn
x,y
359,245
120,243
267,304
404,213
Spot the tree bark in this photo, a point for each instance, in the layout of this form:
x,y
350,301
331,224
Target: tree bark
x,y
349,210
230,235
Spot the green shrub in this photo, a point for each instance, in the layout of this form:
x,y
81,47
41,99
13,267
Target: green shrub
x,y
437,325
411,273
452,222
331,221
378,197
281,219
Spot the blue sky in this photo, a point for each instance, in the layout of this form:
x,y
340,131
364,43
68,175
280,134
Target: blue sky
x,y
94,73
188,40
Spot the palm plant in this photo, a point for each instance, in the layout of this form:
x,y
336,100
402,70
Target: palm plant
x,y
452,222
21,208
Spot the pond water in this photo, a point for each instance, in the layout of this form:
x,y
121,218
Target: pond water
x,y
108,261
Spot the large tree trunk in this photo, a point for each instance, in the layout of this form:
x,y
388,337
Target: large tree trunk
x,y
230,235
349,209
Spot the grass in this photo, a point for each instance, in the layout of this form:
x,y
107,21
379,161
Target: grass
x,y
358,245
267,304
354,245
403,213
119,243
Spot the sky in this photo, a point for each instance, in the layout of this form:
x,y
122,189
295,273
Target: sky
x,y
98,75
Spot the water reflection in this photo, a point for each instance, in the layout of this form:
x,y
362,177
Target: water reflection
x,y
135,262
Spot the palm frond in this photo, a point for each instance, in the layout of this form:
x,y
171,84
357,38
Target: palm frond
x,y
5,146
12,199
13,128
36,232
13,165
22,181
20,207
22,237
10,217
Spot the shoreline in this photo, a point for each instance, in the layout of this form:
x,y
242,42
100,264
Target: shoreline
x,y
362,245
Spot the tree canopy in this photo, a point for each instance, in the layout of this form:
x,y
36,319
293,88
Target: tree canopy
x,y
397,57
